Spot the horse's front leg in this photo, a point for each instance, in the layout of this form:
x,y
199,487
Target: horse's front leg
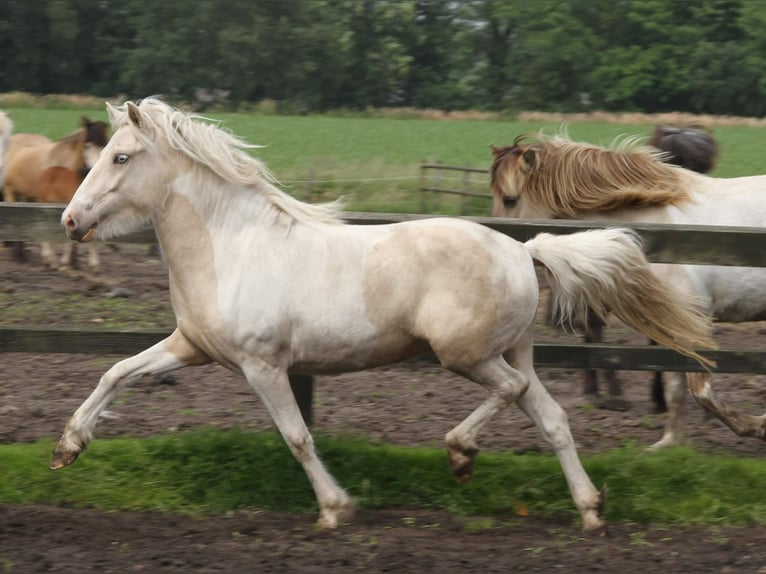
x,y
48,255
273,388
169,354
94,261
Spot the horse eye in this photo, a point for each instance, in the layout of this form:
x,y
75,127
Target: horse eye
x,y
510,202
121,158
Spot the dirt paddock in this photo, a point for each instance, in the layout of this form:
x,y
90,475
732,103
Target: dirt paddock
x,y
404,404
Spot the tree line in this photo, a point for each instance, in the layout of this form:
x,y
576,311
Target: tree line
x,y
701,56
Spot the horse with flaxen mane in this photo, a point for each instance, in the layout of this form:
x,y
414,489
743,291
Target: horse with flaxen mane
x,y
691,147
263,283
554,177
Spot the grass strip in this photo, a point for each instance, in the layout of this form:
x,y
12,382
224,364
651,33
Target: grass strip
x,y
214,471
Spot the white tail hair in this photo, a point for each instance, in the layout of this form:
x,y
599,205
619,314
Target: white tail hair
x,y
606,270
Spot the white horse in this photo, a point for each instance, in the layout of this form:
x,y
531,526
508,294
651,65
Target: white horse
x,y
6,129
263,283
554,177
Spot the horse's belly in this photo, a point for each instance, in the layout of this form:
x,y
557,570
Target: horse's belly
x,y
352,349
736,294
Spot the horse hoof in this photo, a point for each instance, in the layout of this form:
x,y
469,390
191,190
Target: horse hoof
x,y
62,458
332,518
595,528
463,472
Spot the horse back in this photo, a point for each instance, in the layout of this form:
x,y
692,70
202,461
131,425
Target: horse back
x,y
29,155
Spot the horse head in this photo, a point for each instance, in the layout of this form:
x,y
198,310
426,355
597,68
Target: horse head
x,y
555,177
511,167
95,138
692,147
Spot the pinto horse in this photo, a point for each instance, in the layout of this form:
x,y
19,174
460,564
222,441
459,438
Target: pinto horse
x,y
30,155
263,283
554,177
690,147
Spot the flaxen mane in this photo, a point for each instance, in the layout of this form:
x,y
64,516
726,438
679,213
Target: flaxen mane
x,y
223,153
568,177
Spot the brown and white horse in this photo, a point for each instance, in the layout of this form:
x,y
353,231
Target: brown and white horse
x,y
554,177
30,156
263,283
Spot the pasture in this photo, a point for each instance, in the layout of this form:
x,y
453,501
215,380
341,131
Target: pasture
x,y
373,162
412,407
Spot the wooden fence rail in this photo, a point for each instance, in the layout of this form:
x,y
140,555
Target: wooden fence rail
x,y
745,246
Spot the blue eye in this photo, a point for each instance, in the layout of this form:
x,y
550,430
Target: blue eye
x,y
121,158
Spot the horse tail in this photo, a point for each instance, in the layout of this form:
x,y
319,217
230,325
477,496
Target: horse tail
x,y
606,270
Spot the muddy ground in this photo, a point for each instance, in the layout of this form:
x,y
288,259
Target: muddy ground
x,y
412,404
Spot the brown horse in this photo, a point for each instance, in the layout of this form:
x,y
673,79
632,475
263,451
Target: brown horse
x,y
29,156
690,147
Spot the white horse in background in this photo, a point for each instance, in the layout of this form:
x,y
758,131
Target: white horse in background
x,y
6,129
263,283
554,177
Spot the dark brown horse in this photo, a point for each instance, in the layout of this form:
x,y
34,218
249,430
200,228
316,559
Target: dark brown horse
x,y
691,147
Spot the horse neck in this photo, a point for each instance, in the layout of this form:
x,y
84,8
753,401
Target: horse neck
x,y
209,241
69,151
201,209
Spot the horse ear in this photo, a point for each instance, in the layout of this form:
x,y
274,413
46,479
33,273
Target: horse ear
x,y
134,115
112,112
85,121
530,159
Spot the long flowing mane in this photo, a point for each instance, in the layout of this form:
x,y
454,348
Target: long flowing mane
x,y
204,142
567,177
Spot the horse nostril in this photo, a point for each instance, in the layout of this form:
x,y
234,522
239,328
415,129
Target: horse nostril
x,y
70,222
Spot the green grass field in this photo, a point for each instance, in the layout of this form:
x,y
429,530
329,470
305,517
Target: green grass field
x,y
373,162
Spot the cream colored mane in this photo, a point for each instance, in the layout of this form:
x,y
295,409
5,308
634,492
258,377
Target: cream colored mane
x,y
222,152
568,177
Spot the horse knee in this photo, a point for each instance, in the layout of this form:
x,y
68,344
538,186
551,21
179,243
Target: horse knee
x,y
301,445
555,427
510,390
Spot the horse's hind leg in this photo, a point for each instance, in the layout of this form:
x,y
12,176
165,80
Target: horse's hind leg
x,y
505,385
553,423
273,388
701,387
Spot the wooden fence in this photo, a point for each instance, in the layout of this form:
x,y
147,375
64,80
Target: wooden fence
x,y
744,246
467,183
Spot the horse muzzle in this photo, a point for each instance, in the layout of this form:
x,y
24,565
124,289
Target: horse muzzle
x,y
76,228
